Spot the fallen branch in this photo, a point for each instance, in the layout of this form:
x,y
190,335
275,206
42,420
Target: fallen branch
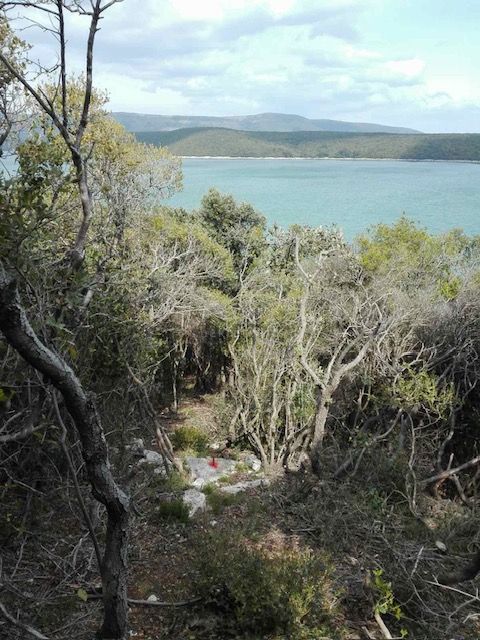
x,y
21,625
150,603
383,627
451,472
18,435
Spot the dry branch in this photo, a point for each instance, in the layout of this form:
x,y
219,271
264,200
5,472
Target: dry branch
x,y
21,625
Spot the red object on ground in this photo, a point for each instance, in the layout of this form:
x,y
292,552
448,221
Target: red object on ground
x,y
213,463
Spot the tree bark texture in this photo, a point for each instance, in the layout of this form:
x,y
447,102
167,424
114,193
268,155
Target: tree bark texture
x,y
20,335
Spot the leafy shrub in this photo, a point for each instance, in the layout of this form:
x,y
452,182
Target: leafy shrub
x,y
157,484
268,588
386,603
218,500
191,438
171,511
174,482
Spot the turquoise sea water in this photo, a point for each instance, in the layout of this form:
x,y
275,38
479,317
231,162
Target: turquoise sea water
x,y
353,194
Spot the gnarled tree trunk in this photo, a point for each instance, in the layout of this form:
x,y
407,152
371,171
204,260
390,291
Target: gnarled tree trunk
x,y
21,336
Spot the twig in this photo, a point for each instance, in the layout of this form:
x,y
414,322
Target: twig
x,y
21,625
150,603
78,492
18,435
450,472
415,566
383,627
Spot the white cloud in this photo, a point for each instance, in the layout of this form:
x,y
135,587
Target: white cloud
x,y
223,57
411,68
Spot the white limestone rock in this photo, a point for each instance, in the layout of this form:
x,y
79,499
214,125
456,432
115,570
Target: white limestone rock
x,y
156,460
152,457
195,500
202,471
252,462
233,489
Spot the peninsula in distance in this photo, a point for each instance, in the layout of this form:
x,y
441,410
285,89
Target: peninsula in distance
x,y
275,135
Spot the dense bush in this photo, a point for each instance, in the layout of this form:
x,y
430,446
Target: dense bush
x,y
269,587
190,438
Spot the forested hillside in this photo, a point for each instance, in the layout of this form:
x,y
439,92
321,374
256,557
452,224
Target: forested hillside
x,y
213,429
259,122
316,144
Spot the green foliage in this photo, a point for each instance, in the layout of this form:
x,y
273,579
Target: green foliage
x,y
402,242
417,258
315,144
238,227
218,500
268,590
156,484
172,511
191,438
422,389
174,482
385,599
6,395
450,288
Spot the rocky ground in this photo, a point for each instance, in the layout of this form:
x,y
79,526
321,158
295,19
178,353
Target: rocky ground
x,y
222,494
215,548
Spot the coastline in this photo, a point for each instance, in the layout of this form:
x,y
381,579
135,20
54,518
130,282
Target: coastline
x,y
329,158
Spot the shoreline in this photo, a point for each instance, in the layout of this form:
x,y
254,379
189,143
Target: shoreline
x,y
329,158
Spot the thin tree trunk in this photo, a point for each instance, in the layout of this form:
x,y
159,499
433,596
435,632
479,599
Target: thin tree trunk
x,y
77,253
21,336
324,397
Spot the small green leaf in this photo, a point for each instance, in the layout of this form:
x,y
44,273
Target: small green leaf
x,y
82,595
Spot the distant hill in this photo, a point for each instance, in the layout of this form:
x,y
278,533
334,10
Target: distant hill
x,y
315,144
261,122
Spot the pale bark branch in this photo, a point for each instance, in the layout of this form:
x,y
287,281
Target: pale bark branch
x,y
21,625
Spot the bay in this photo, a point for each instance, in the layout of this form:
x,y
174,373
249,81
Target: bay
x,y
352,194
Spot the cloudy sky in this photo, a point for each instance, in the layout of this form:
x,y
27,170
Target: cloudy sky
x,y
414,63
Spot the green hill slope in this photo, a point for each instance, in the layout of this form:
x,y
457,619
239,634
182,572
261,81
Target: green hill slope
x,y
316,144
259,122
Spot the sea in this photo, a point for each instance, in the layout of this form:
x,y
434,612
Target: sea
x,y
354,195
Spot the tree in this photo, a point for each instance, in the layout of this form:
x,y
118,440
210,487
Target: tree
x,y
11,97
17,329
238,227
59,111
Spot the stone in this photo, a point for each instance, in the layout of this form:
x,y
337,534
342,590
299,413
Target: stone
x,y
152,598
152,457
202,472
195,500
156,460
161,471
252,462
137,446
233,489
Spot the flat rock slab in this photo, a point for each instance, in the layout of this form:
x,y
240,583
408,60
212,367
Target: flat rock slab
x,y
195,500
203,472
233,489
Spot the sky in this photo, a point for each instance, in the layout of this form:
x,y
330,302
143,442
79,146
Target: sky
x,y
413,63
